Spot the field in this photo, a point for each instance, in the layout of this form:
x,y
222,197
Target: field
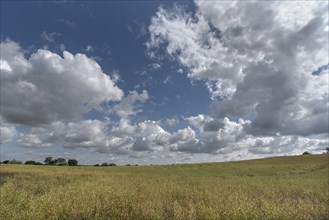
x,y
275,188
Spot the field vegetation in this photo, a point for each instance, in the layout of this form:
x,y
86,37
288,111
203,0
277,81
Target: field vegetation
x,y
275,188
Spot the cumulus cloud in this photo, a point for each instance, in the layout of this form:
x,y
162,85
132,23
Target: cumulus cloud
x,y
256,58
129,106
222,136
97,135
33,141
215,136
226,139
171,121
46,87
80,134
286,145
144,136
8,132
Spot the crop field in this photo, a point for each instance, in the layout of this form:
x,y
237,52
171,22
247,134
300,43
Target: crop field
x,y
276,188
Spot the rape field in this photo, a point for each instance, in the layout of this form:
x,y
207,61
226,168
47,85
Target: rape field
x,y
275,188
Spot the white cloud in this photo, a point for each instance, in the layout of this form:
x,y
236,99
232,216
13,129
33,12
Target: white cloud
x,y
82,134
33,141
97,135
116,77
69,23
88,48
50,37
148,69
194,45
87,133
168,80
227,141
8,132
222,136
154,66
257,58
62,47
5,66
129,105
137,29
171,121
47,87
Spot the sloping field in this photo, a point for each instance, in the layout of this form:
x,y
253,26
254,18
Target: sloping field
x,y
275,188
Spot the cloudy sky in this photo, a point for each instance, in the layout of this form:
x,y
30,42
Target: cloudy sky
x,y
163,82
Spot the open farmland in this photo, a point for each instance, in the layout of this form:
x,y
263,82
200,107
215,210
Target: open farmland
x,y
275,188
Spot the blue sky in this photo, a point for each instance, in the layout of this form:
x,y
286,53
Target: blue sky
x,y
114,31
163,82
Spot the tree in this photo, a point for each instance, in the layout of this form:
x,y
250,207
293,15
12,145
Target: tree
x,y
49,161
72,162
15,162
5,161
60,162
327,150
306,153
112,164
104,164
32,162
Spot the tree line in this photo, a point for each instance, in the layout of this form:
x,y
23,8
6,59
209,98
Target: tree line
x,y
47,161
54,162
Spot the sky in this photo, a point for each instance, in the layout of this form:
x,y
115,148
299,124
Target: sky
x,y
152,82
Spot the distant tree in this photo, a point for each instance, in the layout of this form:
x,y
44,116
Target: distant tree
x,y
112,164
5,161
60,162
49,161
96,165
128,164
306,153
104,164
327,150
32,162
15,162
72,162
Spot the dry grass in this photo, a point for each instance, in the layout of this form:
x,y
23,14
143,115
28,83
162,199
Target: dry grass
x,y
276,188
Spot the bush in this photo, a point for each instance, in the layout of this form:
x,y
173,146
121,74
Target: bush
x,y
306,153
